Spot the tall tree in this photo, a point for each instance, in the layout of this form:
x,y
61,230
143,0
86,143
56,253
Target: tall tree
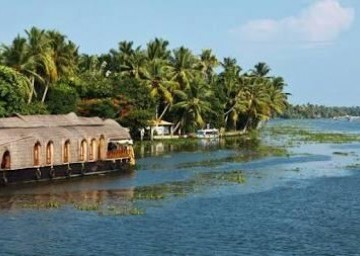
x,y
194,103
183,67
261,69
208,62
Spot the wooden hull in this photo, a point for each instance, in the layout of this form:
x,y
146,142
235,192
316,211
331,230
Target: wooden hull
x,y
64,171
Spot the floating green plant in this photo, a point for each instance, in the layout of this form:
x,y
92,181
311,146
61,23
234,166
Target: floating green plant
x,y
353,166
305,135
42,205
122,211
232,177
148,195
87,206
340,153
235,177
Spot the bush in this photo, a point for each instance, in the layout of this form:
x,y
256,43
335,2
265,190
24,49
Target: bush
x,y
62,99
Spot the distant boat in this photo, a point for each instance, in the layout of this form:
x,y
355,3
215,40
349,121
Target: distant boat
x,y
207,133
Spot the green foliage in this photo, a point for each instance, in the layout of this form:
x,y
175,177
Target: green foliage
x,y
136,85
105,108
62,99
90,85
136,95
13,91
136,120
319,111
35,108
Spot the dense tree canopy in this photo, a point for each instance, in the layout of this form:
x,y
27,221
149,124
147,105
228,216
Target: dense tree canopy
x,y
43,72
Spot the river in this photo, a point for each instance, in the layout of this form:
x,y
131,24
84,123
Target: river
x,y
234,197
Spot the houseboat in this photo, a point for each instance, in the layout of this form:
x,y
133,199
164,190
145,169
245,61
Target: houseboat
x,y
48,147
207,133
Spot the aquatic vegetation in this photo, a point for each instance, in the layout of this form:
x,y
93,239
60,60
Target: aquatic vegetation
x,y
296,169
122,211
354,166
292,133
148,194
42,205
87,206
232,177
341,153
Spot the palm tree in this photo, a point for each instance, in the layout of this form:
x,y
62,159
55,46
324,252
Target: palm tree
x,y
182,67
134,64
230,83
157,49
257,102
260,70
64,53
160,86
18,56
89,63
278,82
194,102
208,62
40,50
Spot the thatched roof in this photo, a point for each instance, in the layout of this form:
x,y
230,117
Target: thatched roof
x,y
70,119
21,128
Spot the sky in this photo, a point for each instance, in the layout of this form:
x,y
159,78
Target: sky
x,y
313,44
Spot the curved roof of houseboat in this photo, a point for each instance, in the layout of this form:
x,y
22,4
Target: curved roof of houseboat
x,y
20,128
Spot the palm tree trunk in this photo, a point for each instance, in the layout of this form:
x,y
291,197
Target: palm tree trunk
x,y
177,126
45,93
32,89
164,111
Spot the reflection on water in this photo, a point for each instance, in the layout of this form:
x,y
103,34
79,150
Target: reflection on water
x,y
78,198
124,189
157,148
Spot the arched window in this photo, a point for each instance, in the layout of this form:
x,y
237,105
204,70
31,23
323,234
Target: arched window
x,y
83,150
67,152
50,153
6,160
93,150
101,150
37,154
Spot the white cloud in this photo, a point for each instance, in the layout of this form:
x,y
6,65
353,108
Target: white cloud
x,y
321,22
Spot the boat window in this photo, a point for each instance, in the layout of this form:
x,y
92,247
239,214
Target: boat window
x,y
101,147
5,162
37,153
93,149
50,153
66,151
111,146
83,150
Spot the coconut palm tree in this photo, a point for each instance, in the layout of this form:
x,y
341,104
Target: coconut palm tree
x,y
208,62
157,49
230,83
194,102
182,67
17,56
40,49
134,65
260,70
64,53
161,87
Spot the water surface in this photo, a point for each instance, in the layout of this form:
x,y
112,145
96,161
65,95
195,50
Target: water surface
x,y
187,200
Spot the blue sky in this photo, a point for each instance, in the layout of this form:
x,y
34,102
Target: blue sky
x,y
313,44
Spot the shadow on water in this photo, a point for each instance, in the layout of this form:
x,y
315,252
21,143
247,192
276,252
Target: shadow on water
x,y
125,201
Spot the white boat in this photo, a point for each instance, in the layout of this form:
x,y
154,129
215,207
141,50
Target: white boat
x,y
207,133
